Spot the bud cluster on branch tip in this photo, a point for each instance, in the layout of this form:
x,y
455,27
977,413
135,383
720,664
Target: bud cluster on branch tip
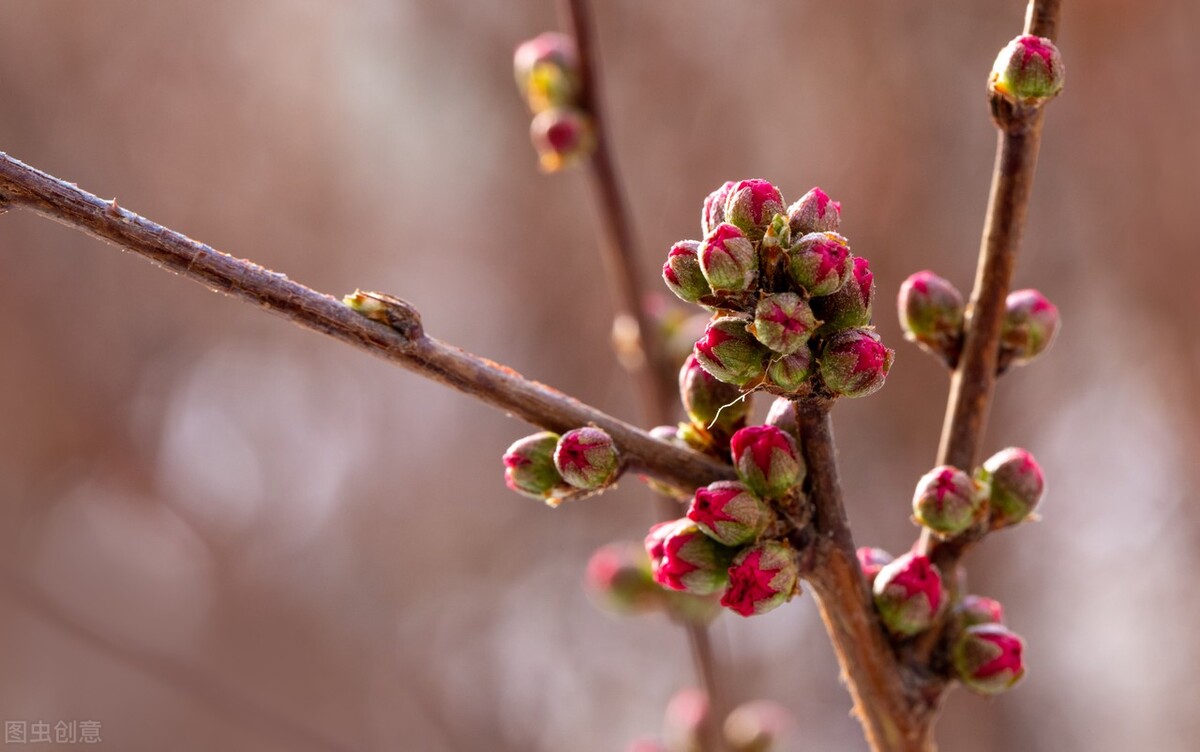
x,y
931,315
529,468
547,73
783,285
1014,485
587,458
714,407
988,658
979,609
767,460
871,560
1028,70
908,594
855,363
729,512
947,501
618,577
762,578
1030,323
682,557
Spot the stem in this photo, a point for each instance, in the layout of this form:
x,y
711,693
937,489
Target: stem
x,y
875,678
27,188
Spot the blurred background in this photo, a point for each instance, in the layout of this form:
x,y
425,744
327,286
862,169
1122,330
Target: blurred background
x,y
219,531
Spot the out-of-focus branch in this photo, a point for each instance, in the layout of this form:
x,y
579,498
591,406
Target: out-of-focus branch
x,y
403,343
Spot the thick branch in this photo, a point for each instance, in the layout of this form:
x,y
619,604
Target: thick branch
x,y
27,188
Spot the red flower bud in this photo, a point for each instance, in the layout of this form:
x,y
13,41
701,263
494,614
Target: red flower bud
x,y
947,501
783,322
684,558
855,363
586,458
850,306
1030,323
728,260
871,560
751,204
561,136
908,594
547,71
814,212
790,372
757,725
1029,69
1015,485
931,314
979,609
682,272
766,459
529,467
730,353
618,577
714,208
729,512
709,403
988,658
820,262
762,578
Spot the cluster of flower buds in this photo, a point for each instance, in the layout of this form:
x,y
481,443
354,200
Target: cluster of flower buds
x,y
552,468
1003,492
547,72
1028,70
792,305
754,726
986,655
724,544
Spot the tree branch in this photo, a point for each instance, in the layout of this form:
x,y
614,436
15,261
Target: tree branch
x,y
24,187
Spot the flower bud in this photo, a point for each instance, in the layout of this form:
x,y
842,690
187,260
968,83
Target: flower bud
x,y
979,609
686,714
1030,323
766,459
618,577
762,578
782,415
529,466
751,204
790,373
682,272
755,726
1029,69
908,593
850,306
783,322
947,501
684,558
820,262
729,512
714,405
547,71
855,363
586,458
931,314
987,658
728,260
814,212
871,560
730,353
1014,484
561,137
714,208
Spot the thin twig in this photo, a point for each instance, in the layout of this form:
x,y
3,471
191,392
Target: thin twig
x,y
24,187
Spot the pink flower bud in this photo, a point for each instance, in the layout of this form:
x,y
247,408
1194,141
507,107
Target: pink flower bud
x,y
855,363
987,658
1014,484
908,594
686,714
783,322
790,372
850,306
766,459
814,212
931,314
871,560
1030,323
757,725
547,71
682,272
714,405
1029,69
730,353
751,204
947,501
729,512
529,466
587,458
762,578
714,208
820,262
618,577
979,609
728,260
782,415
561,136
684,558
